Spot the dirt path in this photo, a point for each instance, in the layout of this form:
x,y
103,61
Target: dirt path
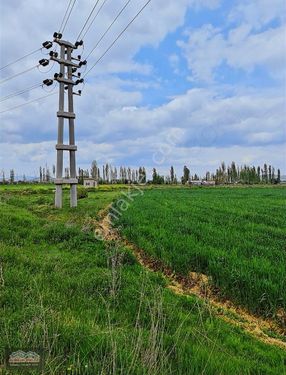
x,y
199,285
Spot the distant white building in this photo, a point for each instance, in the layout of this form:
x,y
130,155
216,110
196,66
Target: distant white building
x,y
195,182
202,183
208,183
90,182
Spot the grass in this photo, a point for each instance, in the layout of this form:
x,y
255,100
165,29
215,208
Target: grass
x,y
236,236
93,308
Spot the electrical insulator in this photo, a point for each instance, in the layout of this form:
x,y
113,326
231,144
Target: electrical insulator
x,y
47,44
48,82
57,35
53,54
44,62
84,62
58,75
79,43
74,70
79,81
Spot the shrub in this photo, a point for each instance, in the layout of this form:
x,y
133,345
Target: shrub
x,y
81,193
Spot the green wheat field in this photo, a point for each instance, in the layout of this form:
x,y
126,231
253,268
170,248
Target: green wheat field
x,y
95,310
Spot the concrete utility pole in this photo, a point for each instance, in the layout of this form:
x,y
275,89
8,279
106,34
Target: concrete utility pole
x,y
66,112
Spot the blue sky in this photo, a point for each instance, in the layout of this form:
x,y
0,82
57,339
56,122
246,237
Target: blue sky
x,y
191,82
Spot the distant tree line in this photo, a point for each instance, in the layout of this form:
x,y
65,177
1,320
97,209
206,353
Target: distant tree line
x,y
231,174
45,174
108,174
246,175
11,179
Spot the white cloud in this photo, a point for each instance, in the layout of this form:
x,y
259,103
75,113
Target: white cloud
x,y
200,159
258,13
244,43
206,128
203,51
207,48
112,124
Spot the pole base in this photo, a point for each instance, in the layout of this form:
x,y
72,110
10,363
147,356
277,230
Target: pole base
x,y
59,196
73,196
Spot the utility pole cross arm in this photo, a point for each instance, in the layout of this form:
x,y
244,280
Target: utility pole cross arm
x,y
66,114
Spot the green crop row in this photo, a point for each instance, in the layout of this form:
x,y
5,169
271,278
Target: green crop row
x,y
237,236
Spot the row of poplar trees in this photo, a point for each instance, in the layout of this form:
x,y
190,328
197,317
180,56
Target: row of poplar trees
x,y
230,174
109,174
247,175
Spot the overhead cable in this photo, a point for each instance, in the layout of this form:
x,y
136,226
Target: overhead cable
x,y
18,74
65,15
88,18
31,101
95,16
109,27
20,92
68,16
21,58
118,37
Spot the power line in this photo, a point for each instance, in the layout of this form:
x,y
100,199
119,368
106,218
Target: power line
x,y
31,101
63,20
20,92
18,74
97,13
109,27
88,18
21,58
69,14
118,37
